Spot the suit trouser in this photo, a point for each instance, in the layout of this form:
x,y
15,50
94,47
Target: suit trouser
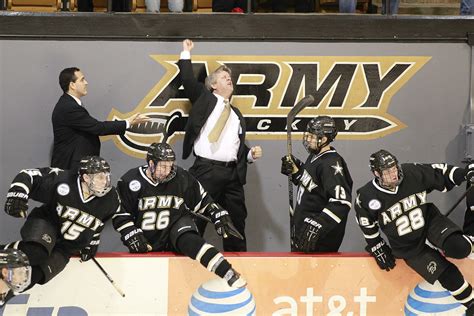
x,y
223,184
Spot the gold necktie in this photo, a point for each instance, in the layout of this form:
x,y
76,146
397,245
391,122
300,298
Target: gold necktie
x,y
221,121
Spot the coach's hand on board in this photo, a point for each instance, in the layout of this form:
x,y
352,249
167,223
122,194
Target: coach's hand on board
x,y
288,165
383,255
256,152
470,173
188,45
135,241
222,222
17,202
137,119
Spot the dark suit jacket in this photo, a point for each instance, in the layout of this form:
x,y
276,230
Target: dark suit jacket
x,y
76,133
203,102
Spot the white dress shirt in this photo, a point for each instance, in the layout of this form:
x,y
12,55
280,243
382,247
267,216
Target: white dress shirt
x,y
227,146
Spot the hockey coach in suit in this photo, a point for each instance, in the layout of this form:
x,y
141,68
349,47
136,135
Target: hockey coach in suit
x,y
76,133
215,133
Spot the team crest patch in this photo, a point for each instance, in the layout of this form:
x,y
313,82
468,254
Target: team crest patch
x,y
46,238
135,185
63,189
374,204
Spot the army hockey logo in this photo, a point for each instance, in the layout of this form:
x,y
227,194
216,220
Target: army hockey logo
x,y
355,90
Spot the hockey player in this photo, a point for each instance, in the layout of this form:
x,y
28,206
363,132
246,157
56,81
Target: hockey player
x,y
15,273
396,202
70,220
323,199
159,200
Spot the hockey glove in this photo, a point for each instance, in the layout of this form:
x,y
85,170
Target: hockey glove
x,y
89,252
135,241
17,202
383,255
289,165
313,230
470,174
222,222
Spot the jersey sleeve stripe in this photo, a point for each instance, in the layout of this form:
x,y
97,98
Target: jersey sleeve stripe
x,y
332,215
121,214
451,174
377,234
21,185
341,201
371,225
126,225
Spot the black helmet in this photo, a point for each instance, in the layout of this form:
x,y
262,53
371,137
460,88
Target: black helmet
x,y
18,277
160,152
382,160
13,258
321,126
92,165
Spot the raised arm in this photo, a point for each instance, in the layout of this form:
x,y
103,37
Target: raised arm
x,y
192,88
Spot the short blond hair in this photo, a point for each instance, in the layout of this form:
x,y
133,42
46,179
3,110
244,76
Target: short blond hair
x,y
212,78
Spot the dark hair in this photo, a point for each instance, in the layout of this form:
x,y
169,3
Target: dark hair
x,y
67,76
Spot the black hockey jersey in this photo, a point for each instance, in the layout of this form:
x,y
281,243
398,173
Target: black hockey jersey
x,y
401,214
324,187
156,207
79,221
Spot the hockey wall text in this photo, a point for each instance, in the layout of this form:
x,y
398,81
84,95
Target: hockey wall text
x,y
279,285
356,91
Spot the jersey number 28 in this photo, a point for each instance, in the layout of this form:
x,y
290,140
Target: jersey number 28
x,y
408,223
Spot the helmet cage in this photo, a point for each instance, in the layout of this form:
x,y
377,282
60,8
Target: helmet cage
x,y
161,152
321,126
381,161
95,188
92,166
18,276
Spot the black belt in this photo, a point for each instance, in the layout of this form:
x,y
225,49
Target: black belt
x,y
229,164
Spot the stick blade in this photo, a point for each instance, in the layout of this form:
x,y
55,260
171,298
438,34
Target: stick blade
x,y
307,100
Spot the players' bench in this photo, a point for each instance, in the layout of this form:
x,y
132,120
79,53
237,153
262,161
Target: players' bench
x,y
34,5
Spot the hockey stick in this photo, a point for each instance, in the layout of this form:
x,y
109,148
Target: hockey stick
x,y
459,201
307,100
108,277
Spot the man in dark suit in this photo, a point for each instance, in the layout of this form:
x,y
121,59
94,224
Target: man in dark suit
x,y
76,133
215,132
